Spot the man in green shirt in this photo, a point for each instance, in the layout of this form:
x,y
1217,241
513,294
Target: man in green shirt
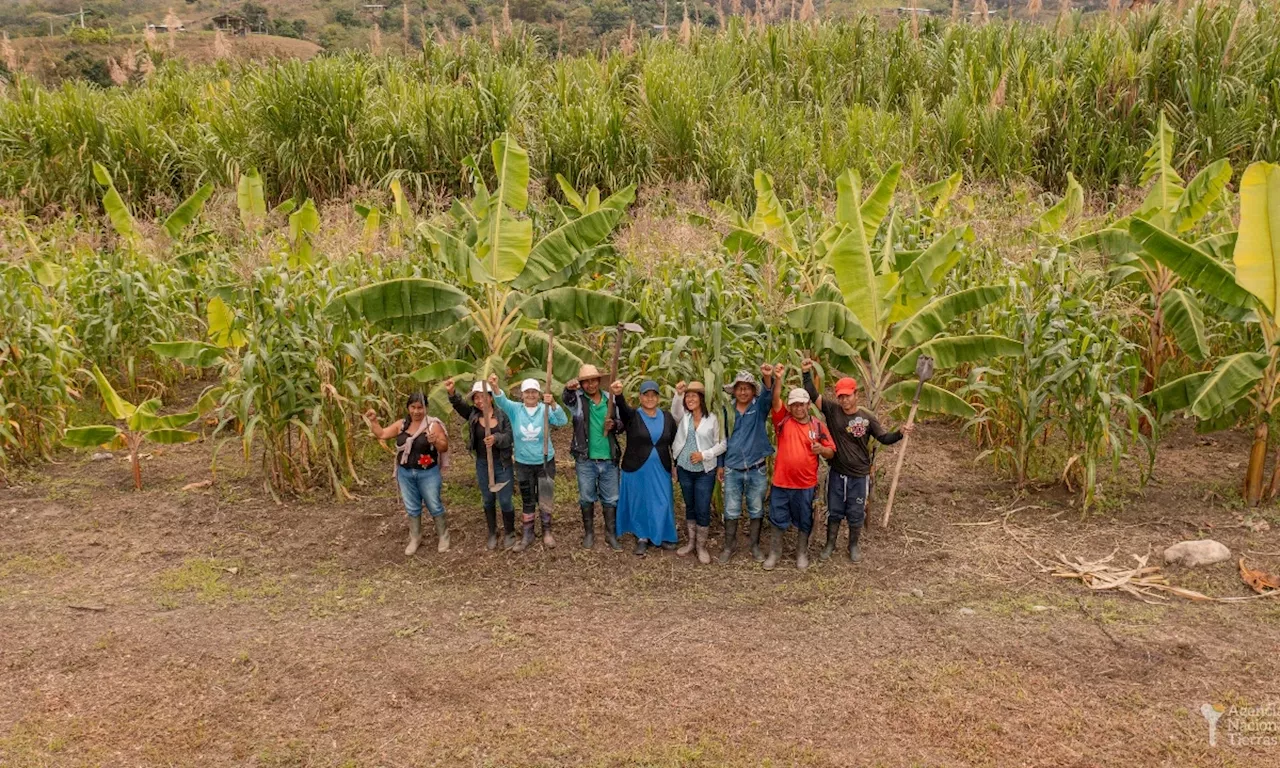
x,y
595,452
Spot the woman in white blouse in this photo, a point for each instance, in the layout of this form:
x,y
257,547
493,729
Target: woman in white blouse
x,y
696,447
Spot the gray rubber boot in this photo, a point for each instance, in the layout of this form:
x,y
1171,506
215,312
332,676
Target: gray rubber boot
x,y
588,526
692,528
802,550
525,540
641,546
442,532
754,531
704,557
415,535
855,554
833,533
775,548
730,541
610,526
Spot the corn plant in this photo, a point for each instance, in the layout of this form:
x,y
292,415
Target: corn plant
x,y
143,423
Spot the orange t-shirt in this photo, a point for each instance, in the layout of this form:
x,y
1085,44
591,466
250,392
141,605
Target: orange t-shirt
x,y
796,466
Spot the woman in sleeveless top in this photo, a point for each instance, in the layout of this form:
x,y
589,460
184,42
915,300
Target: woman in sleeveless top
x,y
421,441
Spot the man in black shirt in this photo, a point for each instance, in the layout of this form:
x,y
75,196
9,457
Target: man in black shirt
x,y
852,429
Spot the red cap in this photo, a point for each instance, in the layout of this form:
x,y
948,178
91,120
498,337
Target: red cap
x,y
846,386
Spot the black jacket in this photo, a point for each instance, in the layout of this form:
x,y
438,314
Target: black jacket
x,y
503,439
639,443
575,402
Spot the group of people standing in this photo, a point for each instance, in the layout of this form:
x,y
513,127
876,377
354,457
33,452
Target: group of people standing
x,y
631,479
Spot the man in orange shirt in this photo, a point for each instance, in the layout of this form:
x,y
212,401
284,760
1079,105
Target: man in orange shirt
x,y
801,440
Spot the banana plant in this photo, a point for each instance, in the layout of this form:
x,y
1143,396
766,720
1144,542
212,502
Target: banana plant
x,y
121,217
1173,317
143,422
1246,384
507,282
891,307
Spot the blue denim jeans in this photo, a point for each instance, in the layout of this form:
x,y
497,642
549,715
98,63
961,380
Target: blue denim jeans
x,y
419,487
697,489
503,497
792,506
597,481
847,498
745,486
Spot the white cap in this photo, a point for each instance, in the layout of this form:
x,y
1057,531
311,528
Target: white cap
x,y
529,384
480,386
797,395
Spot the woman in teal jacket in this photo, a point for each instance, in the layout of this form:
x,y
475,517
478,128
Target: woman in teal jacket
x,y
535,470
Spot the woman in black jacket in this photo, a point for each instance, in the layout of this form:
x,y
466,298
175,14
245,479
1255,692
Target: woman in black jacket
x,y
646,505
477,413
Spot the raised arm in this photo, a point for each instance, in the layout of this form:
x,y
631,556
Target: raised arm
x,y
677,404
810,384
625,412
460,406
773,376
500,397
379,431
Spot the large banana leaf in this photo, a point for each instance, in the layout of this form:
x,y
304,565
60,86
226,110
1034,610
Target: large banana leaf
x,y
1177,394
1158,171
828,317
222,330
1069,207
147,421
565,363
117,210
932,399
187,212
443,369
304,223
250,199
563,245
1185,320
950,351
117,406
404,305
1111,243
1221,247
1234,377
1194,266
452,251
172,436
578,308
195,353
1201,194
511,164
934,317
770,218
876,205
941,193
1257,252
89,437
506,245
855,272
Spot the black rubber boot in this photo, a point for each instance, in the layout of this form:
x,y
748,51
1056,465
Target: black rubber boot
x,y
855,554
775,548
491,523
610,526
588,526
802,550
641,546
833,533
730,541
754,531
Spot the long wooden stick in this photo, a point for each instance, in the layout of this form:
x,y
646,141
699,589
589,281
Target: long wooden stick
x,y
613,370
902,453
546,409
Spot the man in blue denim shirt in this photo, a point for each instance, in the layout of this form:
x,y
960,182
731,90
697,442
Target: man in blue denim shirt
x,y
743,471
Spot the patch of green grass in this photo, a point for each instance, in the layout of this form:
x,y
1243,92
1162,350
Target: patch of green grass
x,y
206,578
26,565
531,670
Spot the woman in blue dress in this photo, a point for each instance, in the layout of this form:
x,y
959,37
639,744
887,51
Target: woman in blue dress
x,y
646,507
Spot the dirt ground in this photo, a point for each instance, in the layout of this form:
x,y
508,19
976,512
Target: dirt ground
x,y
212,626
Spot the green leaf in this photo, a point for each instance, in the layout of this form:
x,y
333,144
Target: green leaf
x,y
304,223
117,406
828,317
950,351
46,273
89,437
1159,172
770,217
452,251
1257,251
146,421
876,206
933,399
570,194
511,164
443,369
620,200
1177,394
562,246
565,363
506,244
1196,267
855,270
1111,243
934,317
1234,377
117,210
579,309
187,212
194,353
405,305
1185,320
172,436
1201,194
1068,208
941,193
251,199
222,330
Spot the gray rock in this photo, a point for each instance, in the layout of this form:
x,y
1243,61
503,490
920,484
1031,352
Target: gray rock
x,y
917,592
101,457
967,611
1193,553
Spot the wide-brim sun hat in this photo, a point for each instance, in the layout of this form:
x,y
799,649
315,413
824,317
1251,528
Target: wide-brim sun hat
x,y
696,386
588,371
529,384
742,378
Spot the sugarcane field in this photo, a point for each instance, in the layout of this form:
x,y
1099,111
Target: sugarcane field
x,y
600,383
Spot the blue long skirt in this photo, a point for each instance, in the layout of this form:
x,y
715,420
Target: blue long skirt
x,y
646,506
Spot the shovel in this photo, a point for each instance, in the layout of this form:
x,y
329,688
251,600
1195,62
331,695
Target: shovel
x,y
924,372
617,353
494,486
546,485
